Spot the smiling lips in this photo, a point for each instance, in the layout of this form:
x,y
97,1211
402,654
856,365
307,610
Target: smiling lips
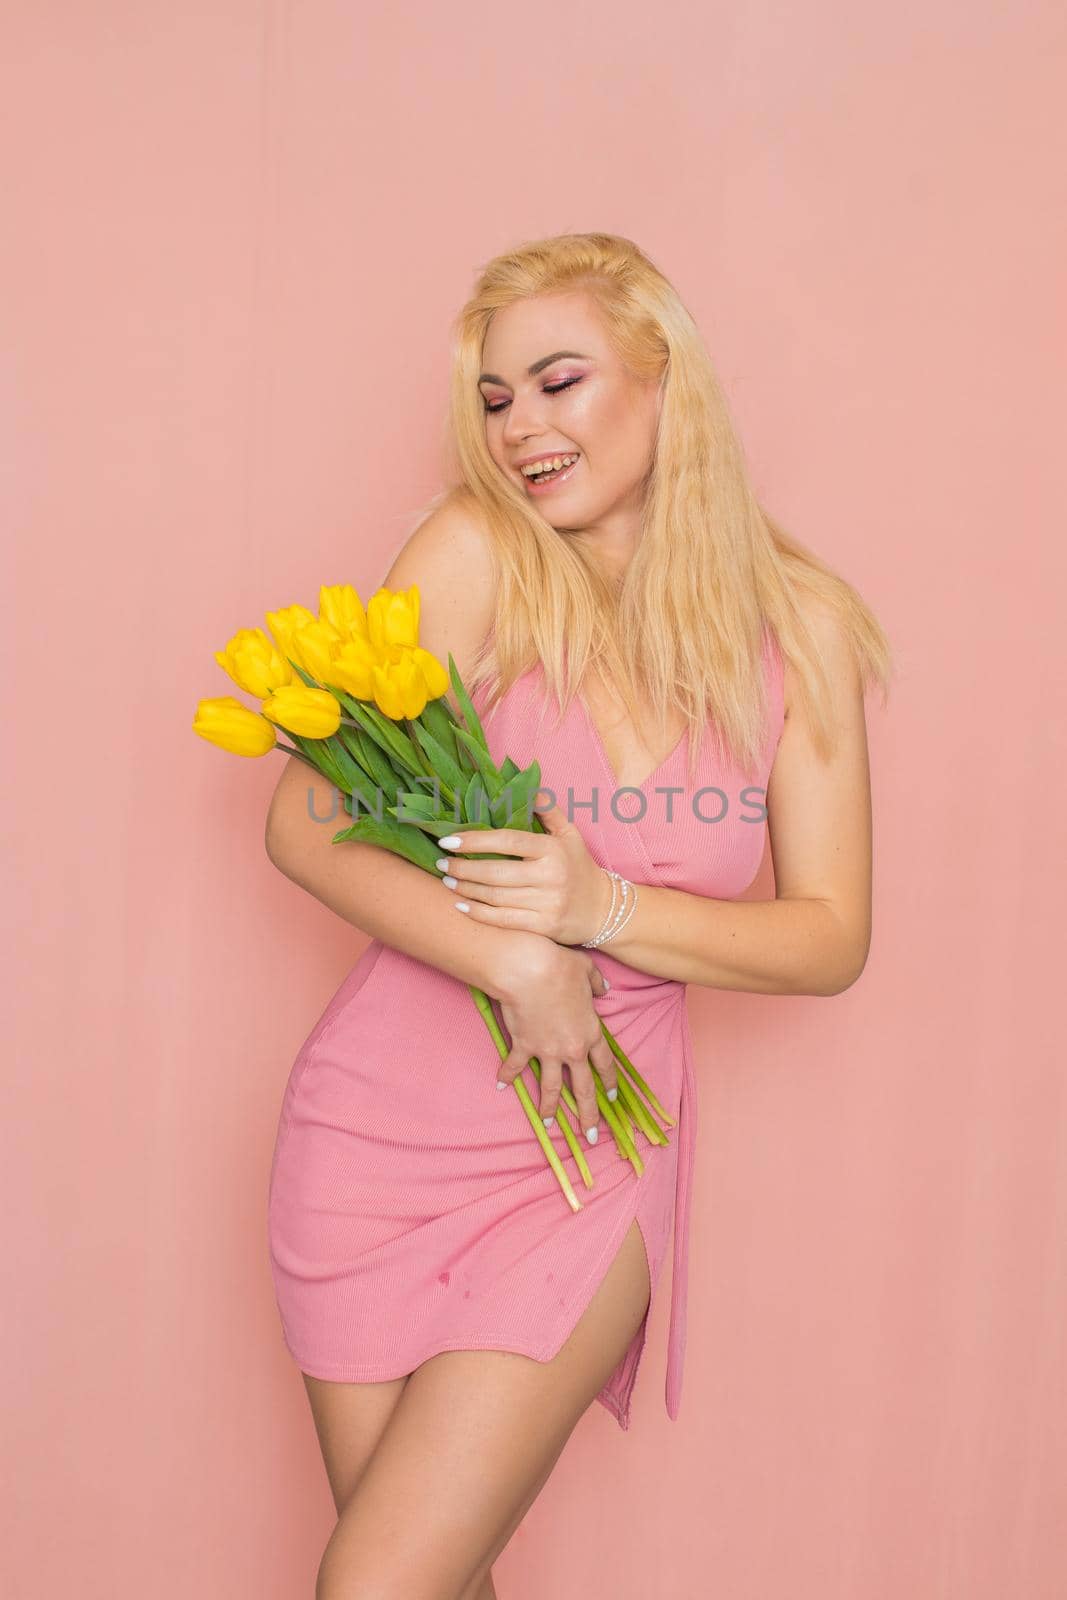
x,y
548,466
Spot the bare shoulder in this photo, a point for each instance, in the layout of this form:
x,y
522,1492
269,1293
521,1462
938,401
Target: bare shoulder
x,y
832,640
450,556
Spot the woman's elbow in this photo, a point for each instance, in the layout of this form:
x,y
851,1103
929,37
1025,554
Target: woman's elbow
x,y
850,966
279,836
273,837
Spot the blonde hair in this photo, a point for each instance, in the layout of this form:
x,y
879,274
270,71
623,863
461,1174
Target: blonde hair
x,y
684,624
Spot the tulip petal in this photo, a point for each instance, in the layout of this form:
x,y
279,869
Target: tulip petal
x,y
225,722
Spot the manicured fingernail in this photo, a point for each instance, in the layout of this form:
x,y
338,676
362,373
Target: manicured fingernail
x,y
441,864
607,981
501,1083
451,841
592,1134
461,905
449,883
613,1094
549,1121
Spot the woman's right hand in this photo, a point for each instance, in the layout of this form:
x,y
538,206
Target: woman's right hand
x,y
547,1007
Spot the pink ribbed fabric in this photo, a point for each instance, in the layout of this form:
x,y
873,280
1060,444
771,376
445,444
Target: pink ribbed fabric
x,y
411,1209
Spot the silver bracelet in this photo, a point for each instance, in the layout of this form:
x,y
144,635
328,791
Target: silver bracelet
x,y
615,921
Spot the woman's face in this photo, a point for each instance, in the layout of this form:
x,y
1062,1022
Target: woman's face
x,y
580,402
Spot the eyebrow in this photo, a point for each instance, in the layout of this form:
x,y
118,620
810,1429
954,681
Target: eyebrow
x,y
538,366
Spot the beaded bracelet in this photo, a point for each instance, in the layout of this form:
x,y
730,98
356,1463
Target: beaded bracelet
x,y
615,921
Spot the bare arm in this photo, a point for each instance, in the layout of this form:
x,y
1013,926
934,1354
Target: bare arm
x,y
815,936
377,891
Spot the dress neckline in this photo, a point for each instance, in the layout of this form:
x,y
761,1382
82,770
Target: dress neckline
x,y
594,734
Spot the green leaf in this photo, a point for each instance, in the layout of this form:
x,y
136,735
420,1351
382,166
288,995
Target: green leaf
x,y
521,791
374,761
312,683
437,718
310,750
382,729
415,805
356,781
436,826
476,803
466,705
399,837
440,761
318,751
483,760
463,756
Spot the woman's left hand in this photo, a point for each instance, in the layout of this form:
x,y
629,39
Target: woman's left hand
x,y
555,888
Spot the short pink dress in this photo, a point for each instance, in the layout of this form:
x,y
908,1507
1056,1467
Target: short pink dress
x,y
411,1209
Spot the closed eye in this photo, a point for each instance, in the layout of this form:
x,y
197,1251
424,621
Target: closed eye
x,y
556,388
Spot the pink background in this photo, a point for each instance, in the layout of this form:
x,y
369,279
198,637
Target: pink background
x,y
236,235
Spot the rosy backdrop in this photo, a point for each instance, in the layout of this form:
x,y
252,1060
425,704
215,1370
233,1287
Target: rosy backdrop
x,y
236,235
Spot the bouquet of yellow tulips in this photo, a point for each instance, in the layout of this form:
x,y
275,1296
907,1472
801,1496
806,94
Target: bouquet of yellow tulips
x,y
365,706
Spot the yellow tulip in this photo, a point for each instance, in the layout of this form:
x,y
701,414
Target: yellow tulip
x,y
400,688
313,713
314,646
371,653
351,667
434,675
393,617
254,662
284,623
340,605
226,722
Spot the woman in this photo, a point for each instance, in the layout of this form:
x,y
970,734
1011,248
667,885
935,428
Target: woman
x,y
452,1317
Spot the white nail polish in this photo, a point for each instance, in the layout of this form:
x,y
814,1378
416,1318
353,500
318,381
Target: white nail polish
x,y
451,841
441,863
500,1084
449,882
461,905
549,1121
613,1094
592,1134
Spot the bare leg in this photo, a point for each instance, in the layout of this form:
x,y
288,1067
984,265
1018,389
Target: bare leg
x,y
350,1419
465,1450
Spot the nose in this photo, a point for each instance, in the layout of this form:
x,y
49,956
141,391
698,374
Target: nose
x,y
523,418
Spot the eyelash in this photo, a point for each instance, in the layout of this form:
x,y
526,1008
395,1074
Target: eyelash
x,y
556,389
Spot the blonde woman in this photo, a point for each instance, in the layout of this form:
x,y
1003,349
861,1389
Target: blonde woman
x,y
690,678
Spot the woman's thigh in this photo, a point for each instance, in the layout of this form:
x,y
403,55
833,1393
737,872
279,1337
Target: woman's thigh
x,y
467,1447
350,1419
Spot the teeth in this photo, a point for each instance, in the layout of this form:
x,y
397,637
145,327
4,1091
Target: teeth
x,y
550,463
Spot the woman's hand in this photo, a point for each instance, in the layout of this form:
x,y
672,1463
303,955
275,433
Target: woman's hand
x,y
548,1011
555,888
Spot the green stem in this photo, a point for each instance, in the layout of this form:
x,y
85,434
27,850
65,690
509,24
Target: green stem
x,y
628,1067
620,1117
482,1001
576,1147
640,1112
279,744
623,1144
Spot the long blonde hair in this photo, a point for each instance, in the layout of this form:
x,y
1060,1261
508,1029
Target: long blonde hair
x,y
684,624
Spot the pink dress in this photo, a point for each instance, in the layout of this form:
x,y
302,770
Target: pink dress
x,y
411,1209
